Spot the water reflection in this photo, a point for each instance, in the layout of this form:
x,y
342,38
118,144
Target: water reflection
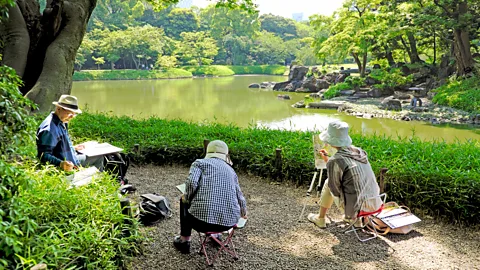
x,y
228,100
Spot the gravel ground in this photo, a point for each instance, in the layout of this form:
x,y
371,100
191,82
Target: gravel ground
x,y
274,238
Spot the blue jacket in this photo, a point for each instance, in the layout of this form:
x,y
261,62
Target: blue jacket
x,y
53,143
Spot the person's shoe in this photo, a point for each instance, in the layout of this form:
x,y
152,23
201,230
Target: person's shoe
x,y
319,222
183,247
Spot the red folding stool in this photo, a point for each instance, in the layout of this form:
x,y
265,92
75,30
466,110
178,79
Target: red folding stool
x,y
226,245
363,215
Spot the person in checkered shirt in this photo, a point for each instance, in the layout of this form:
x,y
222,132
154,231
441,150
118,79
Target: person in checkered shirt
x,y
213,200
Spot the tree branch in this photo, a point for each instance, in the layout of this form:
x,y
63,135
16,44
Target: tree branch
x,y
443,7
17,41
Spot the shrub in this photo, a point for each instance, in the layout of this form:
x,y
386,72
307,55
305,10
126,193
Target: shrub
x,y
131,74
420,176
390,79
463,94
355,81
214,70
334,90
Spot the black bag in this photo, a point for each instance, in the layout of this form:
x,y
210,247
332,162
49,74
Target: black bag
x,y
117,164
154,208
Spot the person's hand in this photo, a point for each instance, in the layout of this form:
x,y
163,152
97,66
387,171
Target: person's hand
x,y
245,217
184,200
66,165
324,154
79,147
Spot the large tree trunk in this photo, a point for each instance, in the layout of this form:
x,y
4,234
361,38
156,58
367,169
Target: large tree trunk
x,y
359,63
389,56
414,58
55,38
462,51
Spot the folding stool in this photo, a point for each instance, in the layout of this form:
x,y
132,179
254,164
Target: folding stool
x,y
226,245
367,216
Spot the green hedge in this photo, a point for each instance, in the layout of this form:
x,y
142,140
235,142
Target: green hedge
x,y
130,74
262,69
461,94
175,73
438,178
209,70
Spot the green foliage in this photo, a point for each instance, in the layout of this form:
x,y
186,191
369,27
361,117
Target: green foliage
x,y
49,222
462,94
420,176
210,70
129,74
334,90
196,48
355,81
166,62
278,25
17,129
262,69
390,79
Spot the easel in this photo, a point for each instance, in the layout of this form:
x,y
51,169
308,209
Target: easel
x,y
320,165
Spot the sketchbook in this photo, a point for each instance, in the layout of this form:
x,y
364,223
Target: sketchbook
x,y
93,148
83,177
397,217
317,146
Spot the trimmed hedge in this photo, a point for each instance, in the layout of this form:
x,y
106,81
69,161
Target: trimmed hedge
x,y
176,73
130,74
438,178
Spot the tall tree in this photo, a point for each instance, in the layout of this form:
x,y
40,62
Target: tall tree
x,y
41,47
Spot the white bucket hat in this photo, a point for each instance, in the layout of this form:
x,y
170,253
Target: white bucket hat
x,y
218,149
68,102
336,134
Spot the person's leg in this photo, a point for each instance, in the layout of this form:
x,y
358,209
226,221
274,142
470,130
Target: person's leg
x,y
326,201
182,242
96,161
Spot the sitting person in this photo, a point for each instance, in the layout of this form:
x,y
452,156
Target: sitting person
x,y
53,142
350,177
213,200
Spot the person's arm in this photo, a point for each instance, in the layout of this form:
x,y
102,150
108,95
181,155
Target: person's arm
x,y
335,175
241,199
45,145
191,184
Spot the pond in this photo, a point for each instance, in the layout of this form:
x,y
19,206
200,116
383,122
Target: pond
x,y
229,100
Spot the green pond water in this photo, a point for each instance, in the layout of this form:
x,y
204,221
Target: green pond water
x,y
229,100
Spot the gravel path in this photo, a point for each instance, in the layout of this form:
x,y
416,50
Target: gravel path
x,y
274,238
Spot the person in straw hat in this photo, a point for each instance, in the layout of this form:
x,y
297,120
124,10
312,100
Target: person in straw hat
x,y
213,200
53,142
350,177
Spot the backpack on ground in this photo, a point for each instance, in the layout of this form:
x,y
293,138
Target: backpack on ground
x,y
117,164
153,208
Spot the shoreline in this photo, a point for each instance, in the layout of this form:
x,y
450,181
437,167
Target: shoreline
x,y
429,112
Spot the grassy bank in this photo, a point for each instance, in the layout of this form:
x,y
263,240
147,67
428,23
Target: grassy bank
x,y
174,73
433,177
460,94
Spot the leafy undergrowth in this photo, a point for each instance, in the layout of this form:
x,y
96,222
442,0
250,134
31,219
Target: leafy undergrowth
x,y
442,179
130,74
463,94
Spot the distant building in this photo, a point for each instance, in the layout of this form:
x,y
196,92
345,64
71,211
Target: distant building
x,y
185,4
297,16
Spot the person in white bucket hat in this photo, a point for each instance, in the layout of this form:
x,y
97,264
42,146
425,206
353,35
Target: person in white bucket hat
x,y
53,142
350,177
213,200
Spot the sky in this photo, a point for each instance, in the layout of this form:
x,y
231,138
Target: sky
x,y
285,8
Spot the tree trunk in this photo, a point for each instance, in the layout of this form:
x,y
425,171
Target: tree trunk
x,y
414,58
357,60
406,47
434,47
389,56
54,39
461,42
364,65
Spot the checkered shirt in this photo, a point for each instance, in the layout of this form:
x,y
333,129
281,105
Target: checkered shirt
x,y
214,193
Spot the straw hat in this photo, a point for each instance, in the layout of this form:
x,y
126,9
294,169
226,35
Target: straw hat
x,y
336,134
68,102
218,149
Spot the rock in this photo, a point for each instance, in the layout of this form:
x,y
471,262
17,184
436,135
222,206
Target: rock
x,y
347,92
390,103
283,96
361,94
300,104
368,116
254,85
418,91
322,84
420,109
401,95
326,104
341,78
315,95
297,73
371,81
310,85
405,118
280,86
431,94
375,93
